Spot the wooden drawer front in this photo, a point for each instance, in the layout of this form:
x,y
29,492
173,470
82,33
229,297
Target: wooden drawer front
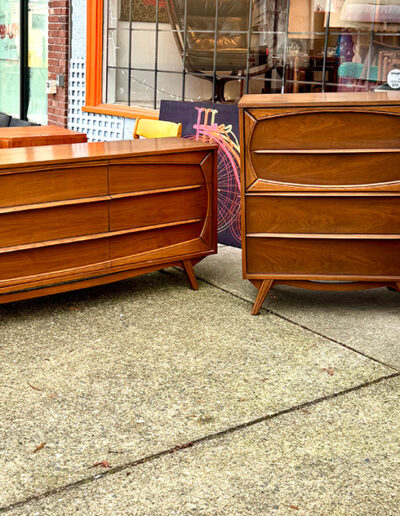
x,y
321,169
328,214
45,186
45,260
141,177
318,129
154,209
285,256
29,226
144,241
176,158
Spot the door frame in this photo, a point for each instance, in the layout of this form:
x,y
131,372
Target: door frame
x,y
24,70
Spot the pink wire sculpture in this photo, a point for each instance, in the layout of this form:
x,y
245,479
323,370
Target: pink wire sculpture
x,y
228,168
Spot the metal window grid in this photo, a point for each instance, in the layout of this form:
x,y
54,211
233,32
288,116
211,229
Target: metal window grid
x,y
212,75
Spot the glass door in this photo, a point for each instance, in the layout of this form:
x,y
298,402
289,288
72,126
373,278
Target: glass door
x,y
23,59
10,57
37,60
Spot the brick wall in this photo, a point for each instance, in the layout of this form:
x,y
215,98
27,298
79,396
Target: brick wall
x,y
57,110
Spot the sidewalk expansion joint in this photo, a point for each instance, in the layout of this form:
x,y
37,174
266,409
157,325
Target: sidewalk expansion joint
x,y
306,328
181,447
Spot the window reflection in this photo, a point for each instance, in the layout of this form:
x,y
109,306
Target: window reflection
x,y
219,49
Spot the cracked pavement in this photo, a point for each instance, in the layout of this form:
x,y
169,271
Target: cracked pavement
x,y
196,406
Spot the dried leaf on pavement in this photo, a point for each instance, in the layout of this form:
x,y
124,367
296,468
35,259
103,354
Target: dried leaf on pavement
x,y
34,387
103,464
39,447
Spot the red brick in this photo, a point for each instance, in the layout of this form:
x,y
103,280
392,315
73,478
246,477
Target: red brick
x,y
58,47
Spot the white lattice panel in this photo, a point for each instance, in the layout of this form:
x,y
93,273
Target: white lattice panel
x,y
97,127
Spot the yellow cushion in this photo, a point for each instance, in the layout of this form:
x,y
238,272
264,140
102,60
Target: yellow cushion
x,y
156,128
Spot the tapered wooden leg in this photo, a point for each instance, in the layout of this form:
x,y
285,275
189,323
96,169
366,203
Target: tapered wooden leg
x,y
266,286
397,286
187,265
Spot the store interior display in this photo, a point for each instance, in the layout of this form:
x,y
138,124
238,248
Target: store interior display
x,y
198,52
356,43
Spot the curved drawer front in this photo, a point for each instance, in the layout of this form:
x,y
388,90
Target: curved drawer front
x,y
29,226
141,177
327,169
154,240
316,256
53,185
46,260
326,130
328,214
159,208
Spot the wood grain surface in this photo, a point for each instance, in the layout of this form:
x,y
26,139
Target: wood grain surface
x,y
11,137
82,220
24,227
321,176
52,185
323,214
29,157
160,208
128,178
144,241
44,260
333,169
321,129
325,100
335,257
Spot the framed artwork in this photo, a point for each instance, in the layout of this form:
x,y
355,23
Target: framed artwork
x,y
216,123
144,11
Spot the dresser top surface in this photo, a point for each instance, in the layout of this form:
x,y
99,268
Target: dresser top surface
x,y
98,151
35,131
320,99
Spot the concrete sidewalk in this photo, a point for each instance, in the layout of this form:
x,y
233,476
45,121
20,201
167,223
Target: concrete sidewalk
x,y
196,406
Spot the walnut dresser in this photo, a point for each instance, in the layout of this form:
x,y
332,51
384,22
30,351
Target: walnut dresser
x,y
29,136
78,215
321,190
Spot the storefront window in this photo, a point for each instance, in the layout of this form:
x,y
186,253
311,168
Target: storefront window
x,y
219,49
342,45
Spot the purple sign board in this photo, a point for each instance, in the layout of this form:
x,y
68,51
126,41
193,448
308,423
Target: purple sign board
x,y
215,123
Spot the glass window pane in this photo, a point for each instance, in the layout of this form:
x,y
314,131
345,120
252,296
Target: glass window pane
x,y
361,52
10,57
269,16
143,49
198,88
169,86
306,64
233,89
37,60
118,89
270,83
385,52
142,88
292,46
109,87
169,57
118,48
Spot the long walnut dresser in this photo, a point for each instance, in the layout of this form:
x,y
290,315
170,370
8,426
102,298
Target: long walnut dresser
x,y
78,215
321,190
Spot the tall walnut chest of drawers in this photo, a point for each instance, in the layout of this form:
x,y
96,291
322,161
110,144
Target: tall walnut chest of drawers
x,y
321,190
73,216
